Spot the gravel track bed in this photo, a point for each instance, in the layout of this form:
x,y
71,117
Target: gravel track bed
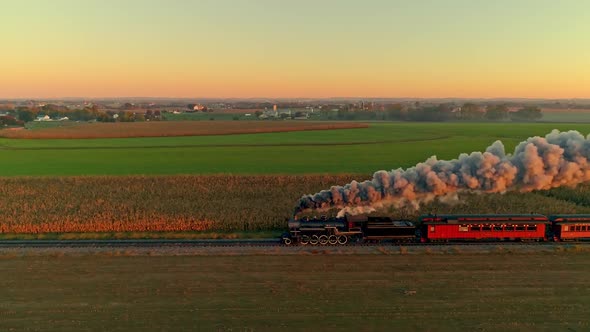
x,y
453,249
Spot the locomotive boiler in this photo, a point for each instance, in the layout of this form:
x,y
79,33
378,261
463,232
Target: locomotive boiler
x,y
340,231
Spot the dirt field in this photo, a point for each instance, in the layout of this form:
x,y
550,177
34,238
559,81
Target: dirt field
x,y
173,128
458,292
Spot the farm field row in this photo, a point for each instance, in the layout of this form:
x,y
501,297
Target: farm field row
x,y
463,292
205,206
87,130
365,150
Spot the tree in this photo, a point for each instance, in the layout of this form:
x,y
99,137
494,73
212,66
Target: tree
x,y
258,113
345,114
470,111
126,116
395,112
442,112
83,115
496,112
105,117
25,115
54,114
9,120
527,113
149,115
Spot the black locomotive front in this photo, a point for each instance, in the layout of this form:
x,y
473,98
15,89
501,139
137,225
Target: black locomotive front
x,y
322,231
339,231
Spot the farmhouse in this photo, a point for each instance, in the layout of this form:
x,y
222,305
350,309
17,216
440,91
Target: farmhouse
x,y
43,118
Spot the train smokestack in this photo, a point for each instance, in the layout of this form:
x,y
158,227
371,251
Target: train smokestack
x,y
558,159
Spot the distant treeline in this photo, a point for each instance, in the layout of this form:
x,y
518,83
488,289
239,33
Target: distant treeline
x,y
436,113
388,112
24,114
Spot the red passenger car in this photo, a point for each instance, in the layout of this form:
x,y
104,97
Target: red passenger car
x,y
487,227
570,227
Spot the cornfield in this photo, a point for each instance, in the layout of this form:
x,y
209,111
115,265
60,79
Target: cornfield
x,y
208,203
137,203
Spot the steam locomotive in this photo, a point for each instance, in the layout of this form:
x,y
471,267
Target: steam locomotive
x,y
437,228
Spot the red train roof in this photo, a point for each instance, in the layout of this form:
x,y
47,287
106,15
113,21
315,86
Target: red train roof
x,y
484,218
570,218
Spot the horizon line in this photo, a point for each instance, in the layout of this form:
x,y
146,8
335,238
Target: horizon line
x,y
302,98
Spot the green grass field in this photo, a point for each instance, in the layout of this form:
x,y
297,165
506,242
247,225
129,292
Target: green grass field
x,y
540,291
382,146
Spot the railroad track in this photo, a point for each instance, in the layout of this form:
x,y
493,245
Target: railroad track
x,y
241,243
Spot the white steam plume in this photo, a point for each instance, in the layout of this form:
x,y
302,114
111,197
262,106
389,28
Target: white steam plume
x,y
558,159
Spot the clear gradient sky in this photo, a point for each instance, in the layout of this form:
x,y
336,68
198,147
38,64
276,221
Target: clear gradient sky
x,y
303,48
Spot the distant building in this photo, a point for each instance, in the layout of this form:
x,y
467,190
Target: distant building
x,y
43,118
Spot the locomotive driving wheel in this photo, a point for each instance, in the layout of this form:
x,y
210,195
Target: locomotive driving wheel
x,y
333,239
314,240
342,239
304,240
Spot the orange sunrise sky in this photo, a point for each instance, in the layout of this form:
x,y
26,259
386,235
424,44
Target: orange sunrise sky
x,y
308,49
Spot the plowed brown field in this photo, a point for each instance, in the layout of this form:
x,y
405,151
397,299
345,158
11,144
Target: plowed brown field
x,y
457,292
174,128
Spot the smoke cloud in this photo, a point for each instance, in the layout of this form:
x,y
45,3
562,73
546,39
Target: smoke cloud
x,y
558,159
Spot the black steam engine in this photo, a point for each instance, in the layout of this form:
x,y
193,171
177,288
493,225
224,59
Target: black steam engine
x,y
439,228
340,231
